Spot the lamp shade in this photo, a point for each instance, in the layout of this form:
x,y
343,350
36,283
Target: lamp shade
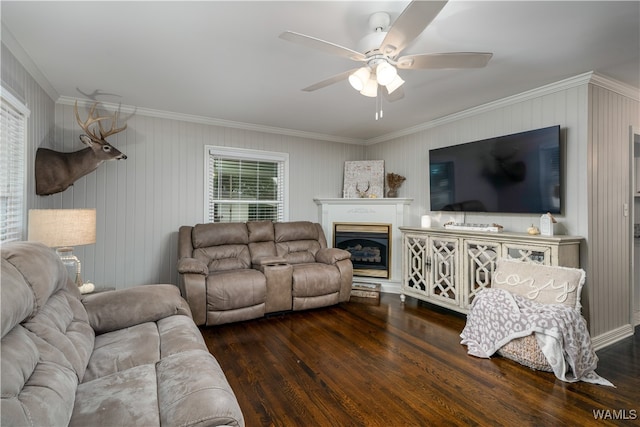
x,y
62,227
359,78
385,73
370,88
395,84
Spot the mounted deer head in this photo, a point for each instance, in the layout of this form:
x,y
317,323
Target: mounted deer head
x,y
56,171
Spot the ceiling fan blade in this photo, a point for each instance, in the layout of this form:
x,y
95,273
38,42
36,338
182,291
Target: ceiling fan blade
x,y
329,81
393,96
444,60
322,45
411,22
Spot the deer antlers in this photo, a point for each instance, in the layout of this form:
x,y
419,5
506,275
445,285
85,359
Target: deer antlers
x,y
93,118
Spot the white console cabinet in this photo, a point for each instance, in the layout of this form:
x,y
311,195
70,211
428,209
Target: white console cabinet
x,y
449,267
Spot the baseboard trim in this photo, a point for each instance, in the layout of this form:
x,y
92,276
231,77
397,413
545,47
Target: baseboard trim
x,y
604,340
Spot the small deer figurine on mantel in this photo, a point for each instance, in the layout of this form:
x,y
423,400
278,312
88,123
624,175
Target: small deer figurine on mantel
x,y
56,171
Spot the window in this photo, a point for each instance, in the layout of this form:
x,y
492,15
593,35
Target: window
x,y
245,185
13,115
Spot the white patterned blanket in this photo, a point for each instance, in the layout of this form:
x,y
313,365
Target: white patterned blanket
x,y
497,316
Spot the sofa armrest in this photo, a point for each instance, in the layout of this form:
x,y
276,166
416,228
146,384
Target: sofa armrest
x,y
192,265
332,255
112,310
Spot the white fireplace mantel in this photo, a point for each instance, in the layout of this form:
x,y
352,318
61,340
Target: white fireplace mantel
x,y
393,211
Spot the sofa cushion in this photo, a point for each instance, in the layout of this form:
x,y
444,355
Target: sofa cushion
x,y
215,234
228,290
193,391
38,382
16,302
125,398
142,344
62,322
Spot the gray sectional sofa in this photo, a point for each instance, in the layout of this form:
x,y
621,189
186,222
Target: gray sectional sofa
x,y
120,358
231,272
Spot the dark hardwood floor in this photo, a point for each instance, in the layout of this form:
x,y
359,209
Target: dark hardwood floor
x,y
363,363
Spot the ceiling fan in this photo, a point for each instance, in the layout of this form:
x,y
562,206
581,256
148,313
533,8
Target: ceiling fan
x,y
380,51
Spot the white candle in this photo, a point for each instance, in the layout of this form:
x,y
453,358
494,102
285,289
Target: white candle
x,y
426,221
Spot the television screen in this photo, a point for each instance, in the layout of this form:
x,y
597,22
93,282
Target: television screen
x,y
518,173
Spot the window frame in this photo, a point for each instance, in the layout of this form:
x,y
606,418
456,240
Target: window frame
x,y
249,155
11,102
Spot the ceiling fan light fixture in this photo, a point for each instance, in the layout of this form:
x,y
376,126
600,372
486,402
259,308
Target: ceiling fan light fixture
x,y
370,88
359,78
385,73
395,84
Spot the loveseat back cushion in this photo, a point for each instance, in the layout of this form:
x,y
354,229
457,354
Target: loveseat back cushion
x,y
295,230
260,231
298,242
225,257
298,251
216,234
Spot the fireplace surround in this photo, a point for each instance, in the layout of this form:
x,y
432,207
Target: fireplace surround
x,y
392,211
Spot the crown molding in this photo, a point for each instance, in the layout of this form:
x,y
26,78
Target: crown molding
x,y
148,112
616,86
25,60
571,82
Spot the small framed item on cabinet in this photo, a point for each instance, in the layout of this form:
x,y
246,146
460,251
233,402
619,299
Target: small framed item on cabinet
x,y
548,225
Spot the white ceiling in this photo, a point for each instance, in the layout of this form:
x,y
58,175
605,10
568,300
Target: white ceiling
x,y
224,60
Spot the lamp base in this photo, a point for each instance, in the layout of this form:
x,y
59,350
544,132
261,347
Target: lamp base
x,y
72,264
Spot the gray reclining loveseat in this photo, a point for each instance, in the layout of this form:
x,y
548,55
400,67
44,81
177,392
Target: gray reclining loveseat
x,y
231,272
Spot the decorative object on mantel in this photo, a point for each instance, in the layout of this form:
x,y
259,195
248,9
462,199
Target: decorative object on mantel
x,y
394,181
363,179
56,171
425,221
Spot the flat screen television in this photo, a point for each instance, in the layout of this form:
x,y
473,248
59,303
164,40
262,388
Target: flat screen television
x,y
518,173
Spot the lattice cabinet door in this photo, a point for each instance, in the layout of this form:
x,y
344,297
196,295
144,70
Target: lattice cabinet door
x,y
416,268
479,263
444,270
524,252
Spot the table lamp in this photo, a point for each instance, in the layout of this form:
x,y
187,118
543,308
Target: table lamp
x,y
62,229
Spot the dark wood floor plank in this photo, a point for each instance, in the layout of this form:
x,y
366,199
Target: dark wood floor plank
x,y
367,363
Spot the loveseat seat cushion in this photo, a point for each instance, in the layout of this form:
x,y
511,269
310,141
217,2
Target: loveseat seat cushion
x,y
229,290
315,285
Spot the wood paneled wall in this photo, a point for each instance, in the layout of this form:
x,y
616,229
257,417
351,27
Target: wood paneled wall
x,y
595,124
609,188
143,200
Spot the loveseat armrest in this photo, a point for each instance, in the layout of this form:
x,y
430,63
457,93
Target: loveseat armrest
x,y
109,311
191,265
332,255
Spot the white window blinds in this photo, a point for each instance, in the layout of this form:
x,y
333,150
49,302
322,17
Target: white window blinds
x,y
13,116
245,185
